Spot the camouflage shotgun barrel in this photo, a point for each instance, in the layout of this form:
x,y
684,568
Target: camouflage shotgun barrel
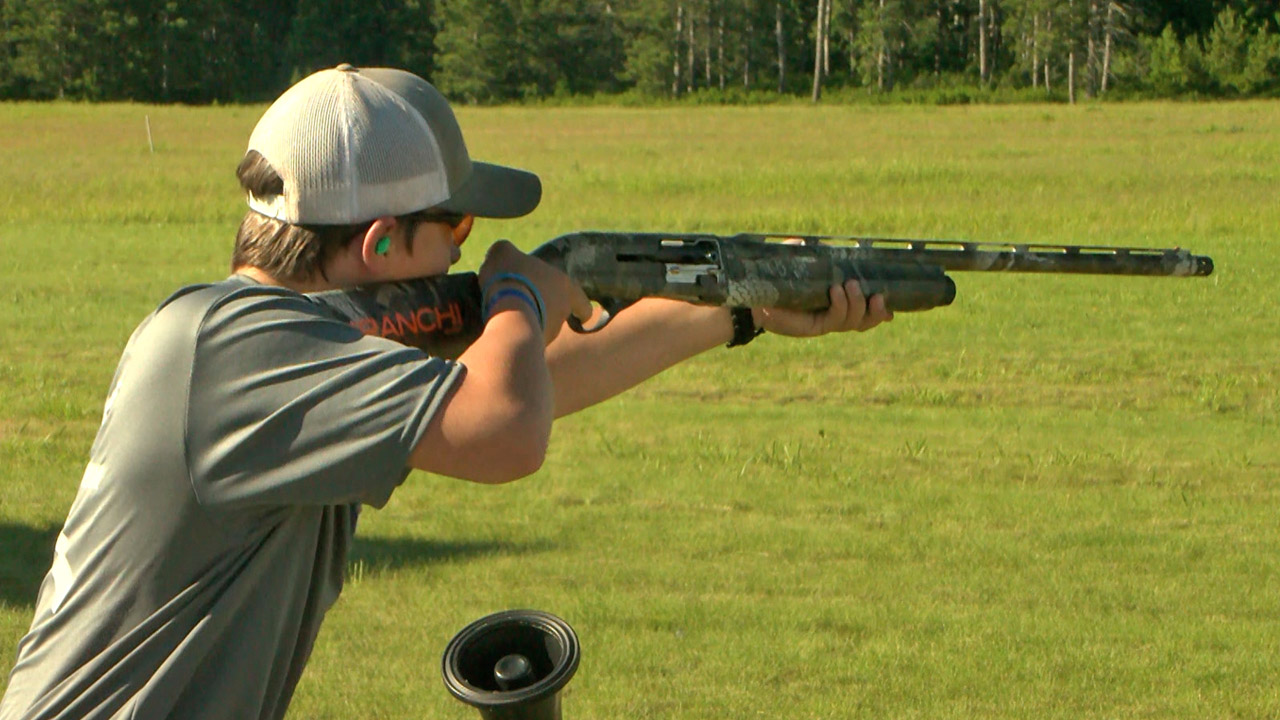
x,y
615,269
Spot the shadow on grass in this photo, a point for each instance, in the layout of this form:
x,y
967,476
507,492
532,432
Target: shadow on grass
x,y
393,553
25,555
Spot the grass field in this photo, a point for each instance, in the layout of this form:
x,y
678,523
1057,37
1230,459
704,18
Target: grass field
x,y
1056,498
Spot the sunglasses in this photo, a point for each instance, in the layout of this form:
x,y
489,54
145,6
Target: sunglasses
x,y
455,222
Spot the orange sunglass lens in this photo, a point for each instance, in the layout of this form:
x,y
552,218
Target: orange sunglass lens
x,y
462,229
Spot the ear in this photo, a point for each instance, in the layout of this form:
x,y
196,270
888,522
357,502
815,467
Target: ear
x,y
463,229
372,240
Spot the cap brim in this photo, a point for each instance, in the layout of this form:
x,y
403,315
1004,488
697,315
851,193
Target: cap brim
x,y
495,191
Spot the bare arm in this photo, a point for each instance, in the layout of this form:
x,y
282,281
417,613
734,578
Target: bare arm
x,y
495,426
647,338
655,334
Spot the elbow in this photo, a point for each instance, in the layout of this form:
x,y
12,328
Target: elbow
x,y
521,453
489,434
527,461
520,445
492,459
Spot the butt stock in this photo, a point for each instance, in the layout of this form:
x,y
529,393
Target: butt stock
x,y
440,314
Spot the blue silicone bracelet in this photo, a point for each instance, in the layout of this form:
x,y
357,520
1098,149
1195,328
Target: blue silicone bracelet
x,y
509,292
538,305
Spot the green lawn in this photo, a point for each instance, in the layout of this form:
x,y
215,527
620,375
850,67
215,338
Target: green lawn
x,y
1056,498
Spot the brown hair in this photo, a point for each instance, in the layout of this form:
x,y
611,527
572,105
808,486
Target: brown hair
x,y
294,253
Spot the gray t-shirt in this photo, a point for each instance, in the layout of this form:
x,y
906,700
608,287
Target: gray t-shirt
x,y
243,429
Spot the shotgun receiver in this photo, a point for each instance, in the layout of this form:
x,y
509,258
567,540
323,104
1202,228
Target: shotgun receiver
x,y
615,269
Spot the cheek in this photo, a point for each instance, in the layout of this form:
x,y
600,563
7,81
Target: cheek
x,y
436,257
432,249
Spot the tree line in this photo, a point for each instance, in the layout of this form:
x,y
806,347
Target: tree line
x,y
485,51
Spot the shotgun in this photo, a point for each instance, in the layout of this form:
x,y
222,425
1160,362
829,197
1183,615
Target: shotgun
x,y
442,314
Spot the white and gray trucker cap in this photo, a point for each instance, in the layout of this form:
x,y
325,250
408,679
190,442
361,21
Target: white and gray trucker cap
x,y
355,144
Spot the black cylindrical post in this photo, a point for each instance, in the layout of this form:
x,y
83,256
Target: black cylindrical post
x,y
512,665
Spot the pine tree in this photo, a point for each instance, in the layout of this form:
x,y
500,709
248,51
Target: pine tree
x,y
475,54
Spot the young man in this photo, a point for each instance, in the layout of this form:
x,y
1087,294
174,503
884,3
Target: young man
x,y
245,427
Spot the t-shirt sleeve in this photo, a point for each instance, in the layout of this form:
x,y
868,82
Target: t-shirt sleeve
x,y
288,406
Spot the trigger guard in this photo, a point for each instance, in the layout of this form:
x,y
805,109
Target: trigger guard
x,y
576,325
609,309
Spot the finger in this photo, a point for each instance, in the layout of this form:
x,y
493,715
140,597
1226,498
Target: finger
x,y
579,304
498,248
877,312
494,258
857,306
837,316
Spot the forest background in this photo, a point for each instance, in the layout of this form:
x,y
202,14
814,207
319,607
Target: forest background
x,y
644,51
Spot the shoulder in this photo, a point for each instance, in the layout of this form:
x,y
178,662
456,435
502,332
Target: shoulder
x,y
239,304
235,291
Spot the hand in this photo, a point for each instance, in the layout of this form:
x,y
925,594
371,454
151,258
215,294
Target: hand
x,y
849,310
561,296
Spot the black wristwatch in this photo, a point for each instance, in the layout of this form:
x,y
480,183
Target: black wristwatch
x,y
744,327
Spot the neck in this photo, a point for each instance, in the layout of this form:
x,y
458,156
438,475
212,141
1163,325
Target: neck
x,y
304,286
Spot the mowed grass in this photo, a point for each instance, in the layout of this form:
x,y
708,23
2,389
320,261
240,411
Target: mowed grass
x,y
1056,498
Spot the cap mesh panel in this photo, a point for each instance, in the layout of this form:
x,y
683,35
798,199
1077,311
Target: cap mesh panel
x,y
349,151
